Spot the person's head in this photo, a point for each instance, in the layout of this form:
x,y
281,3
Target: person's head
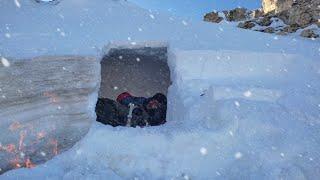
x,y
123,96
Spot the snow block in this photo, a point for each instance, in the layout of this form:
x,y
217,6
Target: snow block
x,y
46,106
244,67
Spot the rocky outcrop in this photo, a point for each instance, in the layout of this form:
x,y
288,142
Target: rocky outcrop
x,y
309,33
294,16
302,13
213,17
237,14
291,28
276,6
246,25
256,13
46,106
269,30
265,21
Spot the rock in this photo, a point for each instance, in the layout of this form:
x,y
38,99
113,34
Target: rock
x,y
269,30
46,105
246,25
302,13
213,17
291,28
303,19
276,6
256,13
309,33
265,21
281,33
237,14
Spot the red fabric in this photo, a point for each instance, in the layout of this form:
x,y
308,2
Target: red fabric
x,y
123,96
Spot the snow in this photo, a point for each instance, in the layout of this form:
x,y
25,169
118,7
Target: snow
x,y
242,104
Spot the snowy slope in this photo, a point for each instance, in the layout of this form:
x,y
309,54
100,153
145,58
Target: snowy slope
x,y
83,27
243,105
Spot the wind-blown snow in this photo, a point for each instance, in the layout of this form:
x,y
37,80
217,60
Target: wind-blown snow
x,y
243,105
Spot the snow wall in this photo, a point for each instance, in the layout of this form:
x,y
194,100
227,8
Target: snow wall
x,y
47,105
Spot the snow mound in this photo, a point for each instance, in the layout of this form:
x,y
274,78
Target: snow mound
x,y
217,128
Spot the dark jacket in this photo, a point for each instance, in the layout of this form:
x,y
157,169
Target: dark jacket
x,y
116,113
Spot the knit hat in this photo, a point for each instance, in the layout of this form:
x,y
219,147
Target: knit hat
x,y
123,96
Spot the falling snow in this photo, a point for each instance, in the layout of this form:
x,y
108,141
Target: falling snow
x,y
17,3
238,155
5,62
247,94
203,151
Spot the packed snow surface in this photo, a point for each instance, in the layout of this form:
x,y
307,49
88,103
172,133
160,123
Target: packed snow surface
x,y
243,104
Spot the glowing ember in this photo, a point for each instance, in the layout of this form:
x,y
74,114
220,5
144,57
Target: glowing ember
x,y
54,142
29,164
11,148
22,136
53,97
14,126
41,135
15,162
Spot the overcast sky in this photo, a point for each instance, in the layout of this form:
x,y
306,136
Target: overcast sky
x,y
195,8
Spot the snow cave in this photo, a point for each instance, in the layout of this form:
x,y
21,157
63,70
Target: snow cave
x,y
142,71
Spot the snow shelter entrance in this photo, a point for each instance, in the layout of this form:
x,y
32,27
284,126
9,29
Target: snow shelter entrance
x,y
142,71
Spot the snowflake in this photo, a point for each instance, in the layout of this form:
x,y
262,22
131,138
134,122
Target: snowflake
x,y
238,155
237,103
8,35
17,3
203,151
5,62
184,23
151,16
247,94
